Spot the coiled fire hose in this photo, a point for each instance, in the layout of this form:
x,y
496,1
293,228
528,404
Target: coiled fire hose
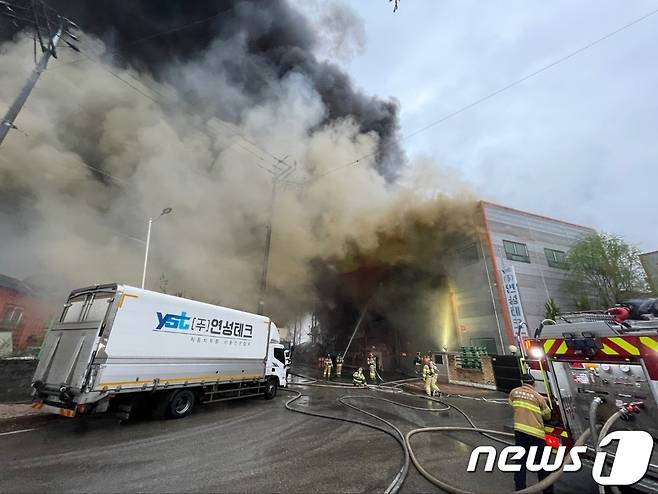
x,y
533,489
397,434
397,482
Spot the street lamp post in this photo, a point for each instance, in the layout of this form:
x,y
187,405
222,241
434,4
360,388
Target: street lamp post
x,y
148,241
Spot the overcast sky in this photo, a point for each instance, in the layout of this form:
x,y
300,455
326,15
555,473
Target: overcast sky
x,y
577,142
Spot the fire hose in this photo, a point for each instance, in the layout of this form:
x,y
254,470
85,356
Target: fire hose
x,y
536,488
397,434
409,454
397,482
604,430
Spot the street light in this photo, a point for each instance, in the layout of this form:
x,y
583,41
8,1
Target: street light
x,y
148,241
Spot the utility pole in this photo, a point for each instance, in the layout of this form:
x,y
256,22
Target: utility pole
x,y
280,172
48,28
148,241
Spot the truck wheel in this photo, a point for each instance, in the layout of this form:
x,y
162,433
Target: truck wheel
x,y
181,404
270,389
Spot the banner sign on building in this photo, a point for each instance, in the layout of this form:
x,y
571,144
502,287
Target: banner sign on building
x,y
513,300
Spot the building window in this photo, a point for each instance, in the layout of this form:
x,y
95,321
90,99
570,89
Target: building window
x,y
515,251
12,315
488,343
556,258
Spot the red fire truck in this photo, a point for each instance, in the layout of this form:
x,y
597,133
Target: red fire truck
x,y
587,358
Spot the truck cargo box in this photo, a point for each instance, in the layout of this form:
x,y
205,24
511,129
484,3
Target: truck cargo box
x,y
114,339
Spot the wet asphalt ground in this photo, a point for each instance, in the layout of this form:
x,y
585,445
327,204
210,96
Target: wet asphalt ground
x,y
254,445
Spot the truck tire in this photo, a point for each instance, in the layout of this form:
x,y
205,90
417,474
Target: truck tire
x,y
181,404
270,389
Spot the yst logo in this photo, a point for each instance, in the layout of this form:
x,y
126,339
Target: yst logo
x,y
174,321
630,464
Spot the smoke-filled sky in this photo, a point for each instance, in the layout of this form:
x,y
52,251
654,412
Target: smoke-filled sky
x,y
577,142
93,157
322,84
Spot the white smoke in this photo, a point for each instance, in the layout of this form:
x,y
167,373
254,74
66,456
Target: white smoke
x,y
93,159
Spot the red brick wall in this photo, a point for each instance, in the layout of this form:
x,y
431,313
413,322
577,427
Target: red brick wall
x,y
34,321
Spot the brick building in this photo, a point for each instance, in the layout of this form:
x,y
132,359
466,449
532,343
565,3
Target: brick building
x,y
24,316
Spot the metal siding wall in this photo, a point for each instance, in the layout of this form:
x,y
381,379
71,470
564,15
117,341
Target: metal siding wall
x,y
537,233
473,295
474,302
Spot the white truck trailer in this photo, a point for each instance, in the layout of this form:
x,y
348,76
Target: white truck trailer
x,y
119,348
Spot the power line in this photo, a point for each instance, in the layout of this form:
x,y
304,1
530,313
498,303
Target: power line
x,y
165,33
260,158
234,133
114,74
494,93
120,181
179,28
153,36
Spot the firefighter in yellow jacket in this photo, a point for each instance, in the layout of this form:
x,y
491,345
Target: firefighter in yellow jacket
x,y
530,410
430,378
372,365
328,364
339,365
358,379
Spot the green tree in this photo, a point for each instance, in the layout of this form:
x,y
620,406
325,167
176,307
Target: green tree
x,y
604,270
551,310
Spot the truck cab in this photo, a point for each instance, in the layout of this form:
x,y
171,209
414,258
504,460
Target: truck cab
x,y
277,362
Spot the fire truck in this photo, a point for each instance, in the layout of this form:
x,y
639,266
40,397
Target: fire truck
x,y
589,366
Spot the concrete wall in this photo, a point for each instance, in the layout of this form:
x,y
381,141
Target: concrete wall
x,y
6,345
475,299
15,379
472,377
650,265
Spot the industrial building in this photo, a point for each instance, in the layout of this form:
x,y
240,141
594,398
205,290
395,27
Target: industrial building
x,y
500,285
493,285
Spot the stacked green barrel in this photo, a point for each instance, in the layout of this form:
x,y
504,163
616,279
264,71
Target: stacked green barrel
x,y
470,357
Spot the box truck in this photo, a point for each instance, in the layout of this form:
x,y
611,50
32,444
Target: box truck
x,y
118,348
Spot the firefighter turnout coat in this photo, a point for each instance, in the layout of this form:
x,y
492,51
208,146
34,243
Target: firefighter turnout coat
x,y
530,410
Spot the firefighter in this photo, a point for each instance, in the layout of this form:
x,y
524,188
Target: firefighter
x,y
339,365
418,363
435,377
328,364
358,379
428,379
372,365
619,313
530,410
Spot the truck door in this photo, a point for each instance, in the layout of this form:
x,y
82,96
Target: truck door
x,y
71,342
278,364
